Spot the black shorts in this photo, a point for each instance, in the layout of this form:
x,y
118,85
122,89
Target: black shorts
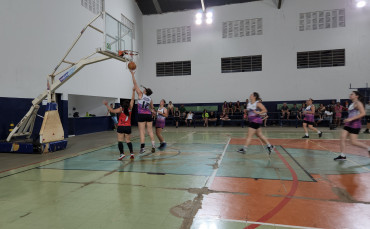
x,y
145,118
177,119
352,130
254,125
367,117
308,123
124,129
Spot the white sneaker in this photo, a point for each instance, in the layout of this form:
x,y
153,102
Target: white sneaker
x,y
121,157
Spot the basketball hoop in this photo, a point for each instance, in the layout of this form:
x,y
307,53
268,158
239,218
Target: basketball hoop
x,y
130,55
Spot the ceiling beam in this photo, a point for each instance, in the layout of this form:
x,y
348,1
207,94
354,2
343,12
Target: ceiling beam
x,y
157,6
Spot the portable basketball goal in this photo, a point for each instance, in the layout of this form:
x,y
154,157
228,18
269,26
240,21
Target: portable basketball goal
x,y
118,44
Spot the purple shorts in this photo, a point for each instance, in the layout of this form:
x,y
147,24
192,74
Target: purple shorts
x,y
160,123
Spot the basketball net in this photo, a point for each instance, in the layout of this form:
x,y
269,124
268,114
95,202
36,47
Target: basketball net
x,y
130,55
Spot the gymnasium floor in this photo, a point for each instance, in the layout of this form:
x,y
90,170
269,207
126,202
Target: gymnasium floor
x,y
198,182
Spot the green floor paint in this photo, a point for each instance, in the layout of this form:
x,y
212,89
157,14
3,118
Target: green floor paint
x,y
94,190
257,163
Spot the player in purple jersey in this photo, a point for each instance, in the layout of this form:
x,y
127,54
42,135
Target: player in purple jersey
x,y
352,125
145,108
309,118
255,108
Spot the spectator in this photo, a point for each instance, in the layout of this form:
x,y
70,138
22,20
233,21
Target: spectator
x,y
113,116
224,116
170,108
225,107
177,116
205,117
345,109
231,108
237,107
212,117
332,105
338,109
189,118
294,111
321,112
285,111
329,115
246,103
183,111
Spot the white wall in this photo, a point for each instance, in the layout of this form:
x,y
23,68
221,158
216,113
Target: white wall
x,y
91,104
281,40
35,35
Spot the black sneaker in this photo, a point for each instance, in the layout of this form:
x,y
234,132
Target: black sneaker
x,y
320,134
340,158
270,149
306,136
241,150
153,149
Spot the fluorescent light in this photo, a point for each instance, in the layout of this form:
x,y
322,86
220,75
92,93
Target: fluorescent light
x,y
198,21
209,20
361,4
209,15
199,16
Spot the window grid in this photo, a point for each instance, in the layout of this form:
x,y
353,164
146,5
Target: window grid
x,y
176,68
241,64
321,58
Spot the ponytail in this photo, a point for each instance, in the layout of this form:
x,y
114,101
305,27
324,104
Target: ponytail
x,y
126,105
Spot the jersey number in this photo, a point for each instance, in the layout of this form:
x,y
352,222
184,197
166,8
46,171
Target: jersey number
x,y
145,105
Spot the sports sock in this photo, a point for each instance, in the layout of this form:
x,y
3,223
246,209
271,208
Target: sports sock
x,y
142,146
319,132
306,134
129,144
153,144
342,154
120,147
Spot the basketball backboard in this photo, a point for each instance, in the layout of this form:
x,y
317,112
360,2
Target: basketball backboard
x,y
117,36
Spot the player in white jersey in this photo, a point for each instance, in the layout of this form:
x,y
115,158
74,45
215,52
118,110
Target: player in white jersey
x,y
145,109
162,114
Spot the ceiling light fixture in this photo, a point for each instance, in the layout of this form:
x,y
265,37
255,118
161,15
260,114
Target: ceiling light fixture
x,y
361,3
199,16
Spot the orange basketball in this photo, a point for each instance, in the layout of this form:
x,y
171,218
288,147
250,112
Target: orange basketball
x,y
131,65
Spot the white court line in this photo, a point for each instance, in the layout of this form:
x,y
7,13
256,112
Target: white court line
x,y
252,222
212,177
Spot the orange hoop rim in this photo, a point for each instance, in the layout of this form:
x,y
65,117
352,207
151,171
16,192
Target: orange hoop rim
x,y
131,52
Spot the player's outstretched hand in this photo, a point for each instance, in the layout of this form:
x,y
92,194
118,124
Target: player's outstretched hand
x,y
105,102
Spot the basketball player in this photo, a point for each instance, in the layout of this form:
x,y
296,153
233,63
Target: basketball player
x,y
352,125
162,114
255,109
124,125
145,109
309,114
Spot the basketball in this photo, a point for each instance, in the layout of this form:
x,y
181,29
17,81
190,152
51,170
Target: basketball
x,y
131,65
